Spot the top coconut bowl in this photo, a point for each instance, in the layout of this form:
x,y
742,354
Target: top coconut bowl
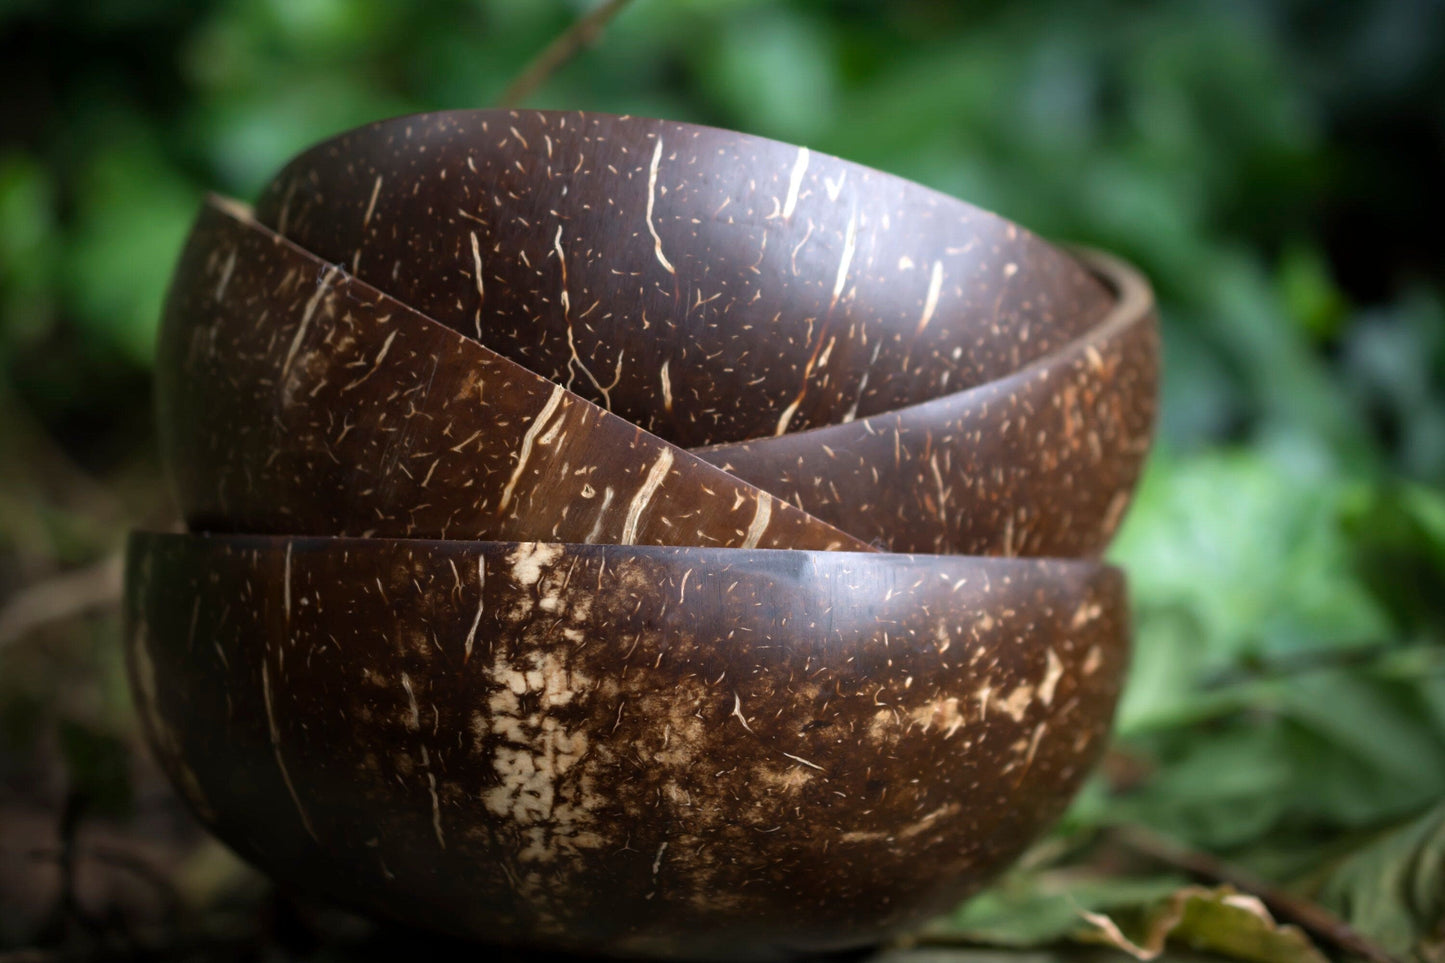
x,y
705,285
552,481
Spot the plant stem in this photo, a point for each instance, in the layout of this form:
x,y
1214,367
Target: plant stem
x,y
583,33
61,597
1309,916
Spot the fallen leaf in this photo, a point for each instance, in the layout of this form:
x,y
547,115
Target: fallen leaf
x,y
1222,921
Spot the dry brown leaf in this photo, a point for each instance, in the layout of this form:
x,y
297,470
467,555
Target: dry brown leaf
x,y
1220,920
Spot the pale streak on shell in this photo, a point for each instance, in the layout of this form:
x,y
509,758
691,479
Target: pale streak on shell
x,y
738,713
795,180
477,268
286,597
850,244
561,266
530,438
655,476
800,759
323,285
481,606
1052,674
226,275
930,300
276,749
651,202
759,524
413,719
593,535
371,204
786,417
436,805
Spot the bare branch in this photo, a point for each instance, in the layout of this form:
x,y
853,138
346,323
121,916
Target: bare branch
x,y
1309,916
583,33
62,597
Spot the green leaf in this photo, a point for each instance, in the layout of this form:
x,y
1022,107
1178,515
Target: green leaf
x,y
1342,747
1036,909
1400,532
776,72
29,251
134,208
1233,557
1310,295
1393,890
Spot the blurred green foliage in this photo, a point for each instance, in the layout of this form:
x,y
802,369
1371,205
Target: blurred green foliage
x,y
1275,166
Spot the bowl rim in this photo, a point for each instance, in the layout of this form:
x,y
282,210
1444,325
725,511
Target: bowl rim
x,y
653,123
139,540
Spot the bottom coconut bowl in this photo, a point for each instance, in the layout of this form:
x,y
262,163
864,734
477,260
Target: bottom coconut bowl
x,y
669,752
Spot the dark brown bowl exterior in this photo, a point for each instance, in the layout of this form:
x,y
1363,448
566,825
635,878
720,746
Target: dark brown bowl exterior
x,y
673,752
294,399
1042,462
667,271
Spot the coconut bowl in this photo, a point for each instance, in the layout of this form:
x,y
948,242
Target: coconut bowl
x,y
546,478
666,271
294,399
682,753
297,399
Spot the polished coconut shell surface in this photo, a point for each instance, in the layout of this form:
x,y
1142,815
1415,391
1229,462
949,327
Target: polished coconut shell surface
x,y
682,752
668,271
294,399
1041,462
607,364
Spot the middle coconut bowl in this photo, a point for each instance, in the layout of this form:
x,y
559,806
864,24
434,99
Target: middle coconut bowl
x,y
676,752
297,400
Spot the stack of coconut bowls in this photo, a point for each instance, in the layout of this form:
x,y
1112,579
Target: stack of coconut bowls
x,y
630,537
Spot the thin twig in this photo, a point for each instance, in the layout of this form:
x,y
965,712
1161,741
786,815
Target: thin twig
x,y
30,956
1309,916
583,33
1326,656
147,945
62,597
114,858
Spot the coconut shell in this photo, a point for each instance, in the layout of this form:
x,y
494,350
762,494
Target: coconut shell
x,y
679,752
668,271
515,334
1040,462
295,399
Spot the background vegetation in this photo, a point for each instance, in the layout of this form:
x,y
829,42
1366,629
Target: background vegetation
x,y
1275,166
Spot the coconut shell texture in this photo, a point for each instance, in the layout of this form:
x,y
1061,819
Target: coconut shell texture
x,y
818,289
600,533
710,753
295,399
1040,462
